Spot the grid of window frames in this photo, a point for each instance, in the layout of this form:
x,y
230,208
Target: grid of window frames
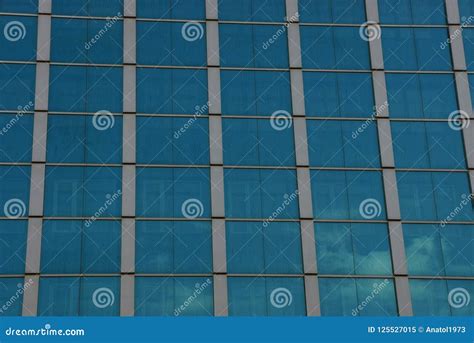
x,y
82,240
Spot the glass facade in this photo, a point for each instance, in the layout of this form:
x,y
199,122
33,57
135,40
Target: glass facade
x,y
236,158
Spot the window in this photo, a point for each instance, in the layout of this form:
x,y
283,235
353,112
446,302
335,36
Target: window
x,y
265,296
15,6
17,86
83,191
260,193
75,247
252,10
433,196
421,95
348,195
338,94
334,143
420,12
255,92
18,38
78,139
253,46
436,250
171,9
174,247
434,297
466,8
13,234
333,48
468,37
173,192
170,296
87,41
171,140
171,91
85,89
255,142
161,43
14,191
11,286
16,137
344,297
99,8
329,11
415,49
348,249
258,248
427,145
73,296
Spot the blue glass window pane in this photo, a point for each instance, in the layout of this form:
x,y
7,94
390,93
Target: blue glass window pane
x,y
412,12
166,140
101,245
59,296
332,11
104,89
468,37
12,295
19,6
428,45
171,9
12,246
73,138
252,10
173,192
18,86
416,196
100,296
334,248
365,188
173,49
14,191
255,142
102,190
173,247
353,98
171,91
16,137
102,8
429,298
18,39
338,296
466,8
246,296
154,296
381,294
458,249
399,49
454,289
331,201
